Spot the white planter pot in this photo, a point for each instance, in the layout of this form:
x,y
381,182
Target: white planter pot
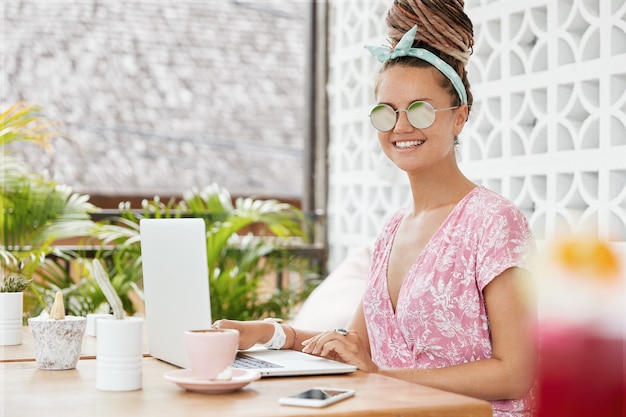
x,y
92,323
119,354
11,309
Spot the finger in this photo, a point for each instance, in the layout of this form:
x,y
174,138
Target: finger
x,y
332,348
311,344
331,339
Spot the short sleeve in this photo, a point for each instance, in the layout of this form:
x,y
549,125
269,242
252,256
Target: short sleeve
x,y
505,241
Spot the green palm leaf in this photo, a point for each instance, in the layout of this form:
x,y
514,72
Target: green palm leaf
x,y
23,122
34,210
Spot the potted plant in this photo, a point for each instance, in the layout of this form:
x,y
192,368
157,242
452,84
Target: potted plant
x,y
119,344
11,309
57,337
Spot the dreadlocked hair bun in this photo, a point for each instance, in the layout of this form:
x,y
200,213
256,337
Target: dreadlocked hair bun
x,y
442,27
441,24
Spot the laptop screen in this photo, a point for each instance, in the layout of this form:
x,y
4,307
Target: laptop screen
x,y
176,284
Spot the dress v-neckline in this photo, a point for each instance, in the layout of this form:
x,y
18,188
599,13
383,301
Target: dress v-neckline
x,y
419,257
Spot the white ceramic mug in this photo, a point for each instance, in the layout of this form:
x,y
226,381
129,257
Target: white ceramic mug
x,y
210,351
119,354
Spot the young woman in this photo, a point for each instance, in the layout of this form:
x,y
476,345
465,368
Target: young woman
x,y
445,303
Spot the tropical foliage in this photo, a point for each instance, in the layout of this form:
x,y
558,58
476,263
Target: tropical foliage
x,y
239,264
35,212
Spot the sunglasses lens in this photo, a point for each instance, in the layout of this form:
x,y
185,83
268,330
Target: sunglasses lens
x,y
420,114
383,117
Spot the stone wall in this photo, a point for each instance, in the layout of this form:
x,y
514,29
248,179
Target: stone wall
x,y
157,97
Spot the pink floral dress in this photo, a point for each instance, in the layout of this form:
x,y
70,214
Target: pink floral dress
x,y
440,318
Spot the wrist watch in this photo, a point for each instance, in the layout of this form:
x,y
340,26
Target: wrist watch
x,y
278,339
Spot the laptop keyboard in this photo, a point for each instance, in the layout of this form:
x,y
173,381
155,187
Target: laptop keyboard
x,y
246,362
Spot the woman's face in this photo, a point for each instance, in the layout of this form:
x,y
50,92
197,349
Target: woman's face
x,y
412,149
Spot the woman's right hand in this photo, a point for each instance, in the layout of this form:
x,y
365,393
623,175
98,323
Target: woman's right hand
x,y
250,332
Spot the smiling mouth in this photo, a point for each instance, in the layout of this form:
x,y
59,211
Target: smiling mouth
x,y
408,144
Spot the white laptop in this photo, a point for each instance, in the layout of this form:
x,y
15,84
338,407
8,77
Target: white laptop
x,y
176,291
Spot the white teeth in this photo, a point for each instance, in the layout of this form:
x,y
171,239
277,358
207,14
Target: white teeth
x,y
409,144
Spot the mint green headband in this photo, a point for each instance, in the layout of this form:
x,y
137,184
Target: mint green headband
x,y
403,48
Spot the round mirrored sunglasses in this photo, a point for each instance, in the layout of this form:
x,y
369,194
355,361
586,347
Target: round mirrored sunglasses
x,y
419,113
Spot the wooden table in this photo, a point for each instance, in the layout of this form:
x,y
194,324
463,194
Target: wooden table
x,y
29,391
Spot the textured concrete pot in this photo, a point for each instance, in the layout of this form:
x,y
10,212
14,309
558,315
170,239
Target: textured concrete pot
x,y
11,305
57,342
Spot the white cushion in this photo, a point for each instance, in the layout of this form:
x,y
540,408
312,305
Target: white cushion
x,y
333,303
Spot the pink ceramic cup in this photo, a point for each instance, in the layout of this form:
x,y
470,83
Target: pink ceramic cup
x,y
210,351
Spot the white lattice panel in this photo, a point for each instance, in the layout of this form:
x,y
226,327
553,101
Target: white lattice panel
x,y
548,128
363,187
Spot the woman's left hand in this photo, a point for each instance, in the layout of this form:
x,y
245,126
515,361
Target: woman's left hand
x,y
340,345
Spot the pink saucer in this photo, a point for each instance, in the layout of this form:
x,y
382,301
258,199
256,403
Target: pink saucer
x,y
185,379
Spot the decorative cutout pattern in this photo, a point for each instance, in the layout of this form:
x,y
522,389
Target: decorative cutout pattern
x,y
548,126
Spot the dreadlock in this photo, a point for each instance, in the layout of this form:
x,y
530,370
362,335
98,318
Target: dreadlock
x,y
442,27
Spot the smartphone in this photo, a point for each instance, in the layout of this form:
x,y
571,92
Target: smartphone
x,y
317,397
